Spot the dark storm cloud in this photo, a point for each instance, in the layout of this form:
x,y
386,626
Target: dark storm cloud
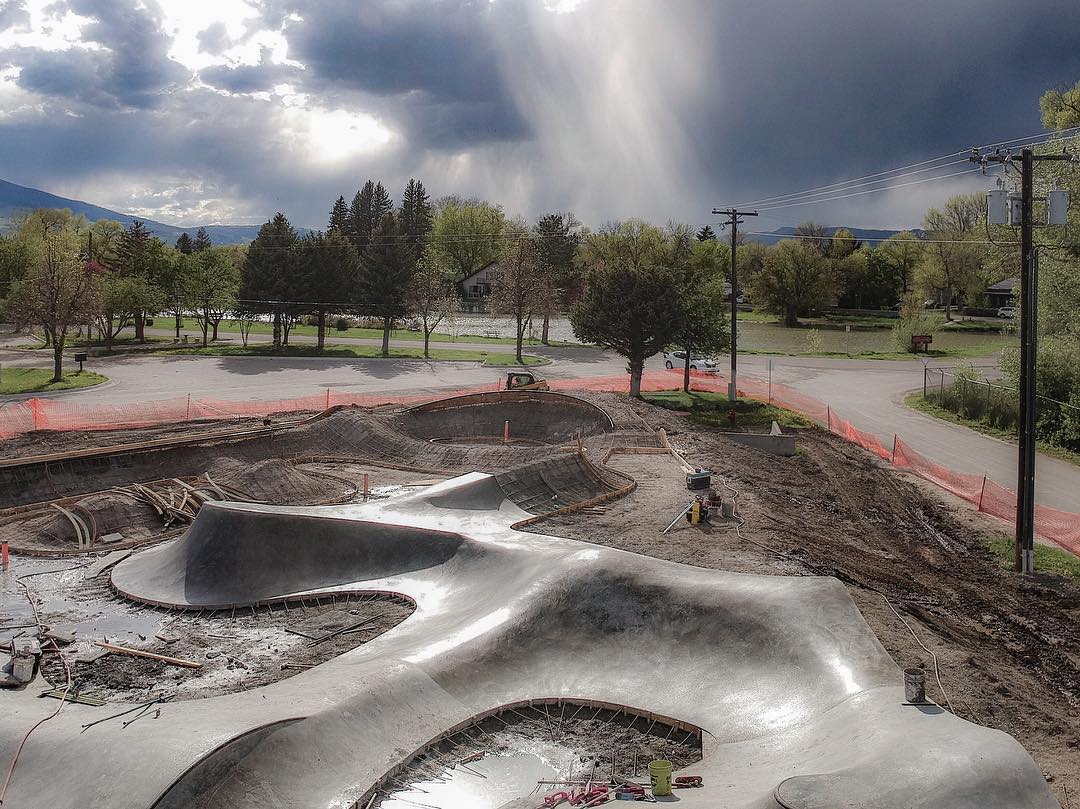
x,y
437,62
214,39
131,69
13,14
659,110
248,78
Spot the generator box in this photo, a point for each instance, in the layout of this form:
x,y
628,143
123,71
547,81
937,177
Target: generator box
x,y
698,480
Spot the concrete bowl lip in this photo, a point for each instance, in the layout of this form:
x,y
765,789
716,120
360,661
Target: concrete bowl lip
x,y
523,396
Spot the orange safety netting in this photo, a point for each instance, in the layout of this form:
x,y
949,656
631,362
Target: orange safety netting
x,y
17,418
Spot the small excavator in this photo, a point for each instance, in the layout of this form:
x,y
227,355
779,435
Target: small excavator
x,y
523,380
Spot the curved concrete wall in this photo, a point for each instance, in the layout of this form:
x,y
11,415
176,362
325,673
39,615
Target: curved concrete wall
x,y
802,705
551,418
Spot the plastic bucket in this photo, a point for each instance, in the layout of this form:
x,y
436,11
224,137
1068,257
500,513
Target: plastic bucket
x,y
660,777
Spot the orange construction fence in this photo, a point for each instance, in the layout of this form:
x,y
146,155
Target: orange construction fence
x,y
17,418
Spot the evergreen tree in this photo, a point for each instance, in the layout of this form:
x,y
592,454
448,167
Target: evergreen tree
x,y
339,217
557,236
202,240
266,272
416,215
359,222
326,267
706,234
130,261
185,244
381,205
386,271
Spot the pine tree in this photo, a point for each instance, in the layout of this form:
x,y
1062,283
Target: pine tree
x,y
339,217
267,269
706,234
202,240
185,244
359,222
557,236
416,214
381,205
386,270
129,251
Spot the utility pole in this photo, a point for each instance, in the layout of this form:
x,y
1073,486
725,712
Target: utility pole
x,y
733,222
1029,307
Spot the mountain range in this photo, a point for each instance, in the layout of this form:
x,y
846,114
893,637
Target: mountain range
x,y
16,199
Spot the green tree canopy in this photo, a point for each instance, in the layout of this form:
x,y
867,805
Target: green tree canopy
x,y
386,269
631,303
468,234
793,280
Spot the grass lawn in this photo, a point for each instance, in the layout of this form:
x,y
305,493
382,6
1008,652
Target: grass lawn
x,y
359,352
232,327
916,402
39,380
712,409
987,349
1047,559
757,316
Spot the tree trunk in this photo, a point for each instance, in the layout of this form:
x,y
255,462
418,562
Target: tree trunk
x,y
205,324
140,327
544,333
109,336
427,340
277,330
791,317
58,360
179,321
321,340
948,303
387,324
637,365
520,339
686,371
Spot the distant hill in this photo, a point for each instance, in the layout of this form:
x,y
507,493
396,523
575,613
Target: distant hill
x,y
874,236
16,199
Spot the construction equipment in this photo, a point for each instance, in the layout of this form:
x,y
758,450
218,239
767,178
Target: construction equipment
x,y
698,479
523,380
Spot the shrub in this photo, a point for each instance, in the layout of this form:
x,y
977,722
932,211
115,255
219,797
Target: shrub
x,y
343,323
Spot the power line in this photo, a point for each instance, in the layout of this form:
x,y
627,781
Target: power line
x,y
913,240
870,191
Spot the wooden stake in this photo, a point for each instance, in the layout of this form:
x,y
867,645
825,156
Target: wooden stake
x,y
172,661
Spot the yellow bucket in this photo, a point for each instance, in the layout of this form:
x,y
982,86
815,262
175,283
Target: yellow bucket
x,y
660,776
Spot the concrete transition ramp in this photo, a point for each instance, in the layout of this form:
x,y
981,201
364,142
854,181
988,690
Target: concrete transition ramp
x,y
798,704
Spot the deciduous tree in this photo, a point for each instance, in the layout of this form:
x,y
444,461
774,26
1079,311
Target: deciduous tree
x,y
518,283
59,294
431,293
631,301
467,234
792,280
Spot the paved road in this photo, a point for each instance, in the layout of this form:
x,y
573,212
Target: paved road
x,y
867,392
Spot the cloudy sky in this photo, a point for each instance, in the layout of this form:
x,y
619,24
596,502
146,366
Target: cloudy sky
x,y
224,111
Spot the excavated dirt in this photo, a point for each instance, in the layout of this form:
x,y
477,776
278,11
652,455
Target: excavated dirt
x,y
238,649
1008,648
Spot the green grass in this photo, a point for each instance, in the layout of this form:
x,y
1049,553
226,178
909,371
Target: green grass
x,y
757,316
916,401
499,359
39,380
259,327
1047,559
712,409
992,327
987,349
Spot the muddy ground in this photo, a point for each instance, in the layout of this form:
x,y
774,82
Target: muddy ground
x,y
1008,647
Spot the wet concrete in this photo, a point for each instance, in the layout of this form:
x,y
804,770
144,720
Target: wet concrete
x,y
799,703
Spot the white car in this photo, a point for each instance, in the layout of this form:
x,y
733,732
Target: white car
x,y
1007,312
677,359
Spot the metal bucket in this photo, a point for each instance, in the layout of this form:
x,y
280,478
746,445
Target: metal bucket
x,y
915,685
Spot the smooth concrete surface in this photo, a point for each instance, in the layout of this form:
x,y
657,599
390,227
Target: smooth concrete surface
x,y
799,703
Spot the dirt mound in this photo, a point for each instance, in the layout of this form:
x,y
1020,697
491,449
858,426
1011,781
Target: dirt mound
x,y
1006,645
282,483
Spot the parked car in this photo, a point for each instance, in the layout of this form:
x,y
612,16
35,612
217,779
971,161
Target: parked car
x,y
1007,312
677,359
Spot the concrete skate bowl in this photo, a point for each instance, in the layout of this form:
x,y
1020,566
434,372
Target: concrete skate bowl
x,y
797,701
535,417
269,555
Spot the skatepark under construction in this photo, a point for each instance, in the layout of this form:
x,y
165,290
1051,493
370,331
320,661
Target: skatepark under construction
x,y
477,660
